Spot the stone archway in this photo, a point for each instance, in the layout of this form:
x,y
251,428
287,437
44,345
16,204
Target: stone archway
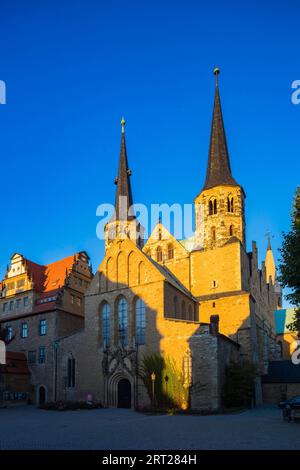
x,y
124,394
120,391
42,395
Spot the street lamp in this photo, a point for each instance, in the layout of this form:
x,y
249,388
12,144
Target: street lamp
x,y
153,377
167,380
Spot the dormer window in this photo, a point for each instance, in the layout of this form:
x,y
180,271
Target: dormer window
x,y
170,251
159,255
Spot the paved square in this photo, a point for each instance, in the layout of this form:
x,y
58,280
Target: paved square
x,y
111,429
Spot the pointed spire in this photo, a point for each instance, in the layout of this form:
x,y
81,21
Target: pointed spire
x,y
269,245
218,166
269,262
123,193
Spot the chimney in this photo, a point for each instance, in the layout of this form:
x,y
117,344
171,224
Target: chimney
x,y
214,325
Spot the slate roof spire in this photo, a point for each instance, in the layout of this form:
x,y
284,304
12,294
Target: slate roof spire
x,y
218,167
123,192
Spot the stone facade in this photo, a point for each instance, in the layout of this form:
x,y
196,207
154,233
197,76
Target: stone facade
x,y
182,287
53,307
202,303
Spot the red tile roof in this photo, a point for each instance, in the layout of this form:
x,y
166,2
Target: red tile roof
x,y
52,276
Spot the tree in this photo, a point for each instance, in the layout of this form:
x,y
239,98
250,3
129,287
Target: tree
x,y
290,262
168,387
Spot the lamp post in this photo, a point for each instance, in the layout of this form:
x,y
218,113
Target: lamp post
x,y
167,380
153,377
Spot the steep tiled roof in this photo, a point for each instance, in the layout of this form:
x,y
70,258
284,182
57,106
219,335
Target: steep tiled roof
x,y
57,272
123,180
218,167
52,276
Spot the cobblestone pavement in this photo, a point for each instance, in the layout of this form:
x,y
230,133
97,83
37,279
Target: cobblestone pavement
x,y
110,429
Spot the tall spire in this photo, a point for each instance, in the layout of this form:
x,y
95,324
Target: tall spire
x,y
123,192
270,263
218,166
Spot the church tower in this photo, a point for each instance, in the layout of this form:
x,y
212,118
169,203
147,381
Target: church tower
x,y
219,208
124,223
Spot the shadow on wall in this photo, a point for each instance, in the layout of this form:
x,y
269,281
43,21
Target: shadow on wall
x,y
124,322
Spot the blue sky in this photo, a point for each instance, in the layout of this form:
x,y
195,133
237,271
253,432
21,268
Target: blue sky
x,y
73,68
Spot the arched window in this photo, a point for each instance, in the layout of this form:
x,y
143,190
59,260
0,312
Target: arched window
x,y
231,230
106,324
213,234
140,322
159,254
215,206
230,204
71,372
183,310
212,207
175,307
123,322
170,251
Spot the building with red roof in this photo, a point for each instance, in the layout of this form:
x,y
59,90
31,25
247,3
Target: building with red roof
x,y
40,303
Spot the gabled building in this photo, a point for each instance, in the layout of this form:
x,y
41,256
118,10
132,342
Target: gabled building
x,y
38,304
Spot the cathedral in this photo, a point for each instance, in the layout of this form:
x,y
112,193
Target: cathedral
x,y
161,318
200,303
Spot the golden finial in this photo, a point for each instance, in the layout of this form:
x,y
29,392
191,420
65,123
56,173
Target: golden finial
x,y
216,71
123,122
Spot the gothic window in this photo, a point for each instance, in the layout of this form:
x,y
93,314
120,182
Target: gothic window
x,y
159,255
175,307
71,372
123,322
212,207
140,321
215,206
170,252
213,234
183,310
231,230
230,204
106,324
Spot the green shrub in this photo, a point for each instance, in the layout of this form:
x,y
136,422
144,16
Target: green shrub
x,y
70,405
169,389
